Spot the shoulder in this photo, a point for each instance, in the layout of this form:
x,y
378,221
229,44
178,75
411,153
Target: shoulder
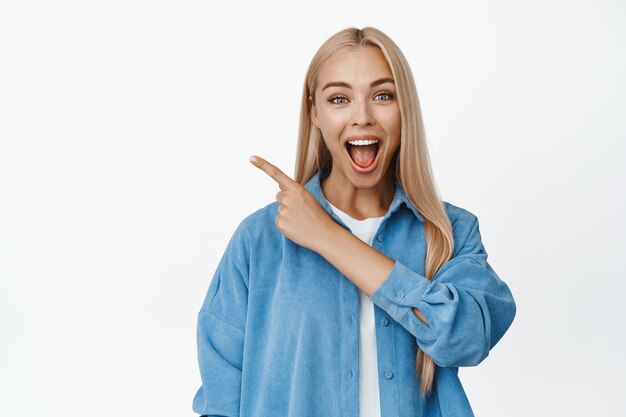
x,y
258,226
255,235
459,215
464,222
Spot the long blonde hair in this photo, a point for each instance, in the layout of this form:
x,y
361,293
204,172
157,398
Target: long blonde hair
x,y
411,166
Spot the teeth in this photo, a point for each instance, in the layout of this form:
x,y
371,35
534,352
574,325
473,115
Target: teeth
x,y
362,142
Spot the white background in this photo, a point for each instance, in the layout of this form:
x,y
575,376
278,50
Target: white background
x,y
125,128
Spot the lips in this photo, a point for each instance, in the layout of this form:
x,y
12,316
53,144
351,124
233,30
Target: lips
x,y
346,143
362,169
362,137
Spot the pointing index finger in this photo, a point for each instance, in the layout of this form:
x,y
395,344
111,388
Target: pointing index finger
x,y
283,180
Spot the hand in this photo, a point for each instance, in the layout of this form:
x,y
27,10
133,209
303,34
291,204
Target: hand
x,y
300,217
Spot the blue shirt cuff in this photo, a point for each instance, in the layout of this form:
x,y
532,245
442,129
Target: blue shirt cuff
x,y
399,293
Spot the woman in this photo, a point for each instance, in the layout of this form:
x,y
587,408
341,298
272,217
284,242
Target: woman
x,y
358,292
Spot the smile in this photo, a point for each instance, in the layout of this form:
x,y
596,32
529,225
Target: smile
x,y
363,154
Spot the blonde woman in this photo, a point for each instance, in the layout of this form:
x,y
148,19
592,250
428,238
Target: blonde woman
x,y
358,292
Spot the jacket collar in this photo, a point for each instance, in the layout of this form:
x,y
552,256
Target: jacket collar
x,y
314,187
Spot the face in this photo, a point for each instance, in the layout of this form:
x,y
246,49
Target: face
x,y
356,99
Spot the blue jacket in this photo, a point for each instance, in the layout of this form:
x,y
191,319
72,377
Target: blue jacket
x,y
278,332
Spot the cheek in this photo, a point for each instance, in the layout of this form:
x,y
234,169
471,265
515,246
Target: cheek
x,y
330,127
391,121
331,119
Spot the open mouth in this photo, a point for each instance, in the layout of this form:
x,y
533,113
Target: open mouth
x,y
363,153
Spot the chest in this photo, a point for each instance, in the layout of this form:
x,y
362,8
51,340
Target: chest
x,y
292,280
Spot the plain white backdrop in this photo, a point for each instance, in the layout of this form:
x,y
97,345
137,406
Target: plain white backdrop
x,y
125,131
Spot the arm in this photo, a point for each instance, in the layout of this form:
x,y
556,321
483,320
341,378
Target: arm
x,y
341,247
220,334
466,308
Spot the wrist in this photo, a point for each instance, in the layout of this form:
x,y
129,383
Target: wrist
x,y
328,234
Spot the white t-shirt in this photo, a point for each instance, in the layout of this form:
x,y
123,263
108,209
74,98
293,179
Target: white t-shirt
x,y
369,395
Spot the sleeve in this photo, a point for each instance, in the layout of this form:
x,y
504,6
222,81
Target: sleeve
x,y
467,306
220,333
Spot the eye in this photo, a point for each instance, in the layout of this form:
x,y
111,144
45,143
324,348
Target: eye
x,y
333,98
389,95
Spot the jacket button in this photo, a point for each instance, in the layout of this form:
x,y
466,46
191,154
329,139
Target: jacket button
x,y
350,319
388,374
400,294
379,237
384,321
351,374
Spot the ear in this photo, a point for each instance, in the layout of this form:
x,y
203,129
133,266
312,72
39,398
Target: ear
x,y
313,113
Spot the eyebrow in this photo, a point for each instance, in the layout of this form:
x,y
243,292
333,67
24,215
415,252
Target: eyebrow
x,y
345,84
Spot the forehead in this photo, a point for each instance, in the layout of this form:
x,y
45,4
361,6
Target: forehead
x,y
362,65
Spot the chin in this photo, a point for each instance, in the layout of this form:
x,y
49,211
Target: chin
x,y
365,180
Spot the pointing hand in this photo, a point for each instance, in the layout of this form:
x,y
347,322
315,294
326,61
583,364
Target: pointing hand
x,y
300,217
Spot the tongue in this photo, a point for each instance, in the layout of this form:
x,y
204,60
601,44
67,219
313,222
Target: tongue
x,y
363,156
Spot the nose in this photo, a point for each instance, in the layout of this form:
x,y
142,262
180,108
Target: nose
x,y
362,114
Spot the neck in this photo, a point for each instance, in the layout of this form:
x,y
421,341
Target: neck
x,y
360,203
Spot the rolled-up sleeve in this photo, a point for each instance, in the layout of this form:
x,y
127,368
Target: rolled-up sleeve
x,y
220,333
467,306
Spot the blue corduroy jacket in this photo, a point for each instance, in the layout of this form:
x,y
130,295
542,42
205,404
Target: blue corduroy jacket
x,y
278,332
